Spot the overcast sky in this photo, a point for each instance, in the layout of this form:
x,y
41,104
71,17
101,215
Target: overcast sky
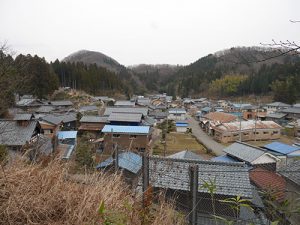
x,y
139,31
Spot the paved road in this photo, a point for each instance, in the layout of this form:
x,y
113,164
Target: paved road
x,y
202,137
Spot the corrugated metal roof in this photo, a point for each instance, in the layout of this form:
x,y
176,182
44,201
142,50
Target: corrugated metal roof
x,y
142,110
127,160
185,155
88,108
67,135
281,147
181,125
45,109
124,103
276,115
244,151
174,174
125,117
177,111
126,129
220,117
93,119
247,125
224,158
291,110
61,103
278,104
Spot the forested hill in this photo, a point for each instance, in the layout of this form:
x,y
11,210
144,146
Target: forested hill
x,y
91,57
239,71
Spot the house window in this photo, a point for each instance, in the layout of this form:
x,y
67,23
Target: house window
x,y
235,135
132,137
142,149
116,135
246,134
48,131
266,132
275,132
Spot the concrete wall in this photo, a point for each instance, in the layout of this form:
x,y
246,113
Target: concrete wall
x,y
261,134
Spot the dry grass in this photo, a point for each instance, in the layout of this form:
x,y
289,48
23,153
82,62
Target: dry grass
x,y
37,194
177,142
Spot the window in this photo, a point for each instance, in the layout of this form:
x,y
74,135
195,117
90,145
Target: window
x,y
235,135
266,132
47,132
246,134
132,137
116,135
275,132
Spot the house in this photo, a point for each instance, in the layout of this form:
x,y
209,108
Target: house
x,y
149,121
215,118
15,134
270,182
126,119
251,155
280,118
186,154
160,116
124,104
29,103
275,106
61,104
252,112
89,109
142,110
292,113
126,137
66,143
69,121
286,153
246,131
172,176
50,125
177,114
143,101
104,99
45,109
130,163
291,174
206,110
239,106
181,126
224,158
92,124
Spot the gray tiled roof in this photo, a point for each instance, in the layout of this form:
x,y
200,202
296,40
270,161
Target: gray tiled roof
x,y
93,119
142,110
230,178
126,117
88,108
278,104
66,118
244,151
23,116
276,115
13,134
292,172
185,155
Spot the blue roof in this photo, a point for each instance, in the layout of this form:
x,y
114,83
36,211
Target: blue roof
x,y
67,134
281,147
224,158
127,160
181,125
126,129
206,109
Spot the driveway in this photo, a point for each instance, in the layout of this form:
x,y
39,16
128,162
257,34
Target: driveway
x,y
203,138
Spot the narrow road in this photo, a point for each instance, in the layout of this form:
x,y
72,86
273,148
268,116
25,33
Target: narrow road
x,y
203,138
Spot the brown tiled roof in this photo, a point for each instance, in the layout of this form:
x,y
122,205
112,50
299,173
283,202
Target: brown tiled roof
x,y
269,181
220,117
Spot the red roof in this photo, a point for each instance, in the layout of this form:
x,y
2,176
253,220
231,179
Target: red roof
x,y
269,181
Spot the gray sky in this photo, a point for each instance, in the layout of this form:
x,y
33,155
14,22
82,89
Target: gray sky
x,y
139,31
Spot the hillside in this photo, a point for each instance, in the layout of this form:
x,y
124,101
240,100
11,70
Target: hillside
x,y
251,62
92,57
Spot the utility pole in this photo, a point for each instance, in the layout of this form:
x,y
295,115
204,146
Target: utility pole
x,y
165,139
193,171
240,121
116,157
145,168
